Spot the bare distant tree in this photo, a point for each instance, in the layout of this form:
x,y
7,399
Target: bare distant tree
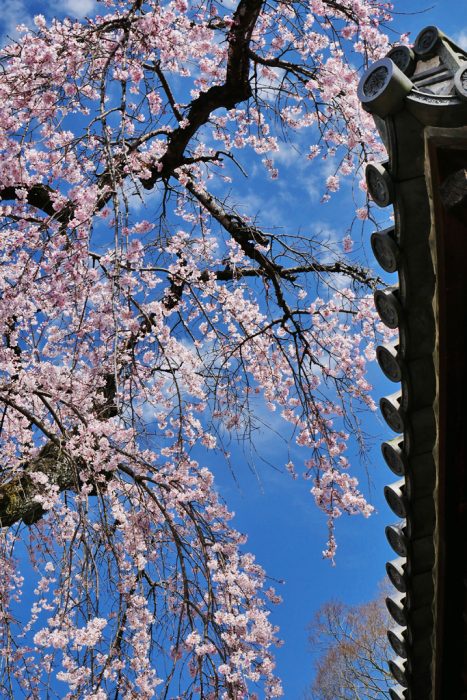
x,y
353,651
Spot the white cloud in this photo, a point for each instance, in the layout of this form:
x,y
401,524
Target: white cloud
x,y
326,233
74,8
14,12
461,38
267,87
328,167
313,186
287,154
264,210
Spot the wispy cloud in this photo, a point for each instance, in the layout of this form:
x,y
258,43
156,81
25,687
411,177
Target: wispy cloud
x,y
75,8
268,86
14,12
287,154
22,12
461,38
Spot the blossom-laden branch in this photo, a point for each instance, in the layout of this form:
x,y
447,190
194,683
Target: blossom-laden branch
x,y
146,318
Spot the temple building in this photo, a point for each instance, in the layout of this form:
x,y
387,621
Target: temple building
x,y
418,98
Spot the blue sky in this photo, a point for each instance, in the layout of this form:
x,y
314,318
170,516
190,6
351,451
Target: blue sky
x,y
286,532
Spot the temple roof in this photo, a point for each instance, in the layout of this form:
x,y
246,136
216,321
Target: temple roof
x,y
418,98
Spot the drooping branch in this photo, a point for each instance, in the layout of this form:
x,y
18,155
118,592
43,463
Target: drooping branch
x,y
247,236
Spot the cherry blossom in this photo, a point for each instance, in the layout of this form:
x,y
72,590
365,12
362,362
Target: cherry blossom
x,y
144,319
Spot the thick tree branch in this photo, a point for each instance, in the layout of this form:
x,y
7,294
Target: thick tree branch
x,y
235,89
40,197
20,496
298,70
357,273
247,236
239,229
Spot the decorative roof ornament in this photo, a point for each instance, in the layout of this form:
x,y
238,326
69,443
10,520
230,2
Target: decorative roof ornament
x,y
432,74
418,98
